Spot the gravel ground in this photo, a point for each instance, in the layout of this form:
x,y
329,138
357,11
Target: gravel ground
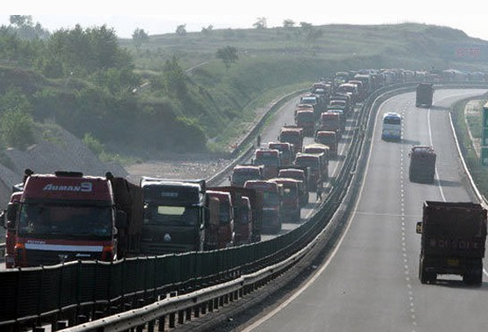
x,y
178,167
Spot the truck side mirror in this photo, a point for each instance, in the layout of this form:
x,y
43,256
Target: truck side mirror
x,y
11,215
418,228
121,219
3,221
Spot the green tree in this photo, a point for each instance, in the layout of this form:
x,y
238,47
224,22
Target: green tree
x,y
287,24
174,78
21,20
261,23
139,37
206,31
181,30
228,55
16,128
14,99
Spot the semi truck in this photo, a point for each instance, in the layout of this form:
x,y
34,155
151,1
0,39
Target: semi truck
x,y
331,121
329,138
286,149
291,198
272,194
314,163
422,164
243,172
305,119
66,216
269,159
424,94
221,234
248,210
453,236
302,174
176,215
293,135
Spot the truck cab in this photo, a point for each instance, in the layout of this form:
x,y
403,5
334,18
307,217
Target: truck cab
x,y
175,215
62,217
329,138
291,198
286,149
243,172
222,234
301,174
272,194
292,135
269,159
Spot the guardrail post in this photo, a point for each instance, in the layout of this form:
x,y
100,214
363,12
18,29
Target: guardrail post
x,y
150,326
204,308
181,317
197,311
161,323
188,314
172,320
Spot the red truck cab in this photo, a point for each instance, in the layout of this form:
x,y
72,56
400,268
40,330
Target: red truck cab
x,y
324,152
301,175
305,119
286,149
291,198
293,135
328,138
222,234
331,121
272,194
63,217
242,173
270,159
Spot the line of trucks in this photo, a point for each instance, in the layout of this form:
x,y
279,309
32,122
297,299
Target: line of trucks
x,y
286,170
66,216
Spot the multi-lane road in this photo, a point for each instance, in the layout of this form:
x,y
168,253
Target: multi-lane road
x,y
371,283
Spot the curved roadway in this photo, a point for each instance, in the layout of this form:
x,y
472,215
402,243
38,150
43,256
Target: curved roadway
x,y
371,281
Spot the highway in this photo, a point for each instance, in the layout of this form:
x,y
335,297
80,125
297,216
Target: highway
x,y
371,283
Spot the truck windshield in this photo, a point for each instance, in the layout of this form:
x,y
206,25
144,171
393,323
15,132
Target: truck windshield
x,y
170,215
268,160
48,220
271,198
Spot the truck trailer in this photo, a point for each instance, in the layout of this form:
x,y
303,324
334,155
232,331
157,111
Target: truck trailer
x,y
453,241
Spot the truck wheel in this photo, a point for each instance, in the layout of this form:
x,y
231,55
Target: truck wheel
x,y
474,278
424,276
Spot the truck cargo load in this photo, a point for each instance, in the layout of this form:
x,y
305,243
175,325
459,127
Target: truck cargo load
x,y
453,241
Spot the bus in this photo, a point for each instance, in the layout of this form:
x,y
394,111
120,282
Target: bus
x,y
392,127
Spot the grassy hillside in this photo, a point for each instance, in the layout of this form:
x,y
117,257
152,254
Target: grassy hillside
x,y
190,97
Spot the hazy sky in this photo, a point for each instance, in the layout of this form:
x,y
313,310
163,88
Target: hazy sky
x,y
157,17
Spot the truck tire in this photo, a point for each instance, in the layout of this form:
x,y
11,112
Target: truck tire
x,y
424,276
473,278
